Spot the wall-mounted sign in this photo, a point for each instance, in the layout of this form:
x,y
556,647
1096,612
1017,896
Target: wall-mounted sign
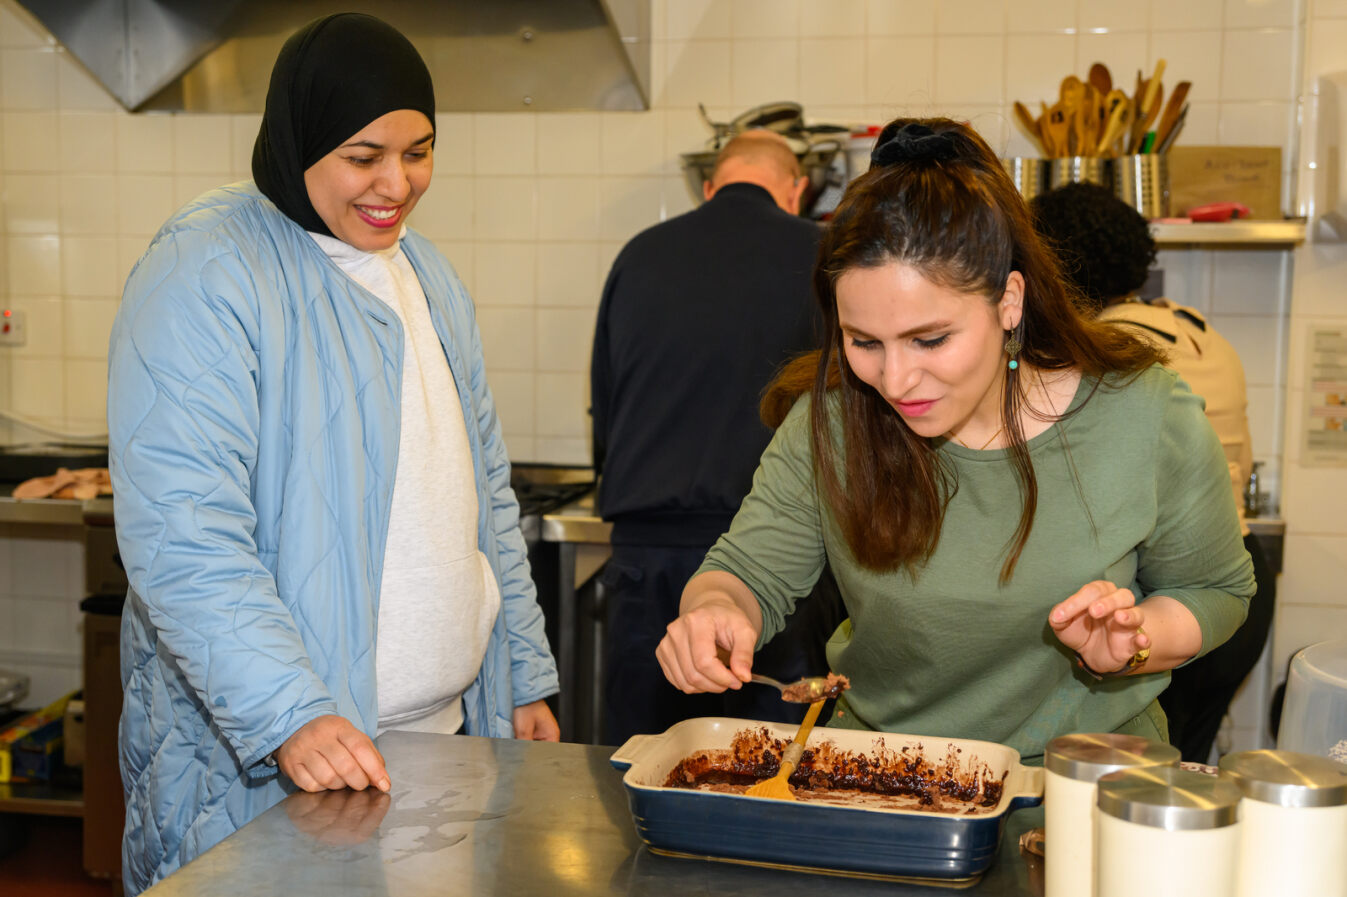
x,y
1325,427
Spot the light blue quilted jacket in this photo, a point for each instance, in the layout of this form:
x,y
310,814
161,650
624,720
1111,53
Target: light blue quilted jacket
x,y
253,416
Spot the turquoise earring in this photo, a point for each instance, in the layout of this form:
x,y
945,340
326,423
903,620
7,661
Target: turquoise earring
x,y
1012,349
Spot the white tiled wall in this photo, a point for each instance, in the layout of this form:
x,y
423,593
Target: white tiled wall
x,y
532,207
41,583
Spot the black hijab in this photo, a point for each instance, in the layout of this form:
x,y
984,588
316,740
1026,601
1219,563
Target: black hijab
x,y
332,78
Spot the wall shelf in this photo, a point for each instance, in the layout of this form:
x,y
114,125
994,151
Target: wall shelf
x,y
41,799
1270,234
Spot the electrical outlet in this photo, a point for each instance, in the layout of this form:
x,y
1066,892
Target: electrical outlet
x,y
13,327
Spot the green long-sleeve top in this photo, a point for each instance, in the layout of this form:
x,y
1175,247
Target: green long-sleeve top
x,y
952,652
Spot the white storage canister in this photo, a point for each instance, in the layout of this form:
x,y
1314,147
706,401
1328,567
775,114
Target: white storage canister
x,y
1167,832
1293,823
1073,765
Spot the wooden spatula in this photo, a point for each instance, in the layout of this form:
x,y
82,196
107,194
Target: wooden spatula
x,y
1172,109
778,785
1026,121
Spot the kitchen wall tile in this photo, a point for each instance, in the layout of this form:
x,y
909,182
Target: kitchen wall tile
x,y
568,142
1327,10
1191,14
202,143
1317,562
187,187
77,90
628,206
971,17
86,390
88,204
32,204
88,325
1113,15
1202,127
145,143
460,256
28,78
46,627
1122,51
832,72
1249,282
1035,66
1040,16
569,275
697,19
504,143
89,268
31,141
632,143
18,28
129,251
565,337
764,71
49,676
1189,56
841,114
454,143
1249,334
899,71
88,141
505,274
696,72
685,131
10,637
1303,488
893,17
507,338
556,450
562,405
45,322
34,265
1260,13
678,197
1018,142
445,211
568,208
1265,418
969,70
1267,123
38,389
608,251
505,208
243,137
1301,625
144,202
989,121
832,18
1327,50
1257,65
659,68
513,392
764,18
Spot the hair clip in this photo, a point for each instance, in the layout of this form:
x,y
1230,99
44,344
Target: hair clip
x,y
914,142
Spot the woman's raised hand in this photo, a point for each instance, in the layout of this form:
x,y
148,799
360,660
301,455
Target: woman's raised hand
x,y
1102,624
694,650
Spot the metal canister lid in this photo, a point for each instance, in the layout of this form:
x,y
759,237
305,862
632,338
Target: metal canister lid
x,y
1169,798
1087,756
1286,778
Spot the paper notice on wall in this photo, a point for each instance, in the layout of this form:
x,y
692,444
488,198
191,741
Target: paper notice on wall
x,y
1326,398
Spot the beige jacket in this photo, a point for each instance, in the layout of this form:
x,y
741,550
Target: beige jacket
x,y
1211,368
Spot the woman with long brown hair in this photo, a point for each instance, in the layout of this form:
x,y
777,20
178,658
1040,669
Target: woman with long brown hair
x,y
1017,502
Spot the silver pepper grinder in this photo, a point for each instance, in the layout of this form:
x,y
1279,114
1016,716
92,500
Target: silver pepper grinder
x,y
1253,498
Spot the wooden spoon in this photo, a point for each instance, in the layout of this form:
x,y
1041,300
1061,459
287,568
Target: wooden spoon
x,y
778,785
1119,117
1029,125
1172,109
1147,108
1101,79
1055,128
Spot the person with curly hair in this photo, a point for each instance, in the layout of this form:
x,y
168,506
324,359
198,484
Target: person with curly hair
x,y
1017,501
1106,250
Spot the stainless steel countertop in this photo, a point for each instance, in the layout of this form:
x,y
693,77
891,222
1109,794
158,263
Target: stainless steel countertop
x,y
492,817
576,522
54,511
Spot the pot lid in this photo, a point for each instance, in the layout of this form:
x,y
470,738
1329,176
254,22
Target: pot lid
x,y
1169,798
1286,778
1087,756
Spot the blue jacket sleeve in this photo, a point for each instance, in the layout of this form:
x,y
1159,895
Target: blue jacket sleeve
x,y
533,672
183,424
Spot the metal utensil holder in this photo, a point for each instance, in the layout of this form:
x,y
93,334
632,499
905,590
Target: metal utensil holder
x,y
1079,170
1029,174
1142,181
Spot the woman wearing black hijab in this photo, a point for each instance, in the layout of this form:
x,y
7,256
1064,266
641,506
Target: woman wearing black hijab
x,y
306,455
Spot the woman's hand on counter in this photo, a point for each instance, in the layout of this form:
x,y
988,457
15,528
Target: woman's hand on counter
x,y
535,722
329,753
719,622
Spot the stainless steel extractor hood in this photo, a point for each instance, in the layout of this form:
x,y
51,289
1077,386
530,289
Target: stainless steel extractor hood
x,y
485,55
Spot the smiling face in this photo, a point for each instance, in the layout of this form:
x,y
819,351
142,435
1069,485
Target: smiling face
x,y
934,353
365,189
